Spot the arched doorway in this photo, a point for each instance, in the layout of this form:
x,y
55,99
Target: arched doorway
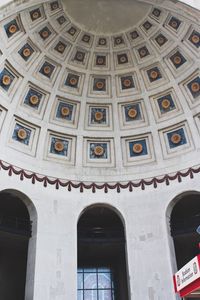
x,y
184,221
102,267
15,232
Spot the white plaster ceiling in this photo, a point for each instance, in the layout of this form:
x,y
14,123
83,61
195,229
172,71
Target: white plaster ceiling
x,y
107,90
106,16
193,3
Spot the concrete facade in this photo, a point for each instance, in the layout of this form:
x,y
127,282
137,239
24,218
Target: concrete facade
x,y
55,210
52,261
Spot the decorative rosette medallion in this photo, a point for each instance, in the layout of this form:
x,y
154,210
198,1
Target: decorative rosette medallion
x,y
176,138
65,111
165,103
26,52
132,113
98,116
6,80
59,146
137,148
195,87
34,100
22,134
98,151
12,29
154,74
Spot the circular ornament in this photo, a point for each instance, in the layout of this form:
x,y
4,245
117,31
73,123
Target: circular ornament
x,y
174,24
100,85
195,39
22,134
65,111
134,34
143,52
102,42
6,80
61,48
127,82
54,6
72,31
35,15
160,40
147,25
118,41
62,20
165,103
86,39
47,70
45,34
34,100
137,148
73,81
98,116
177,60
13,28
132,113
156,13
100,61
153,74
79,56
122,59
98,151
26,52
59,146
195,87
176,138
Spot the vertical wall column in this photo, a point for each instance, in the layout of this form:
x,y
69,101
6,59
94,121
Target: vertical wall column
x,y
55,267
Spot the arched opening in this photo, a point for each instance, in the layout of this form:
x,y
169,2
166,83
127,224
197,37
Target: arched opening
x,y
184,221
102,267
15,233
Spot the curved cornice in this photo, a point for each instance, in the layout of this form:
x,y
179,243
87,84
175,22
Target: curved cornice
x,y
106,186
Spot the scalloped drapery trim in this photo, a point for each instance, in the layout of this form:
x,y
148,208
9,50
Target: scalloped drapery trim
x,y
118,186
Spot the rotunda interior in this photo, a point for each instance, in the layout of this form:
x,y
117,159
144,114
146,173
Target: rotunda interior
x,y
123,90
98,98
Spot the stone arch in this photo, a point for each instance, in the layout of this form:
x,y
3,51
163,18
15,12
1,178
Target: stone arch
x,y
15,205
101,232
181,216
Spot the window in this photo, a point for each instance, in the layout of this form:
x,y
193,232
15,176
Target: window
x,y
102,273
96,284
185,218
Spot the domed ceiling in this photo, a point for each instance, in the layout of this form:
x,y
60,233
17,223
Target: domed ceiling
x,y
99,91
106,16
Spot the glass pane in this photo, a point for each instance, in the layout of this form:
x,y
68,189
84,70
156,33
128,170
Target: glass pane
x,y
95,284
80,270
104,269
90,281
90,295
90,270
104,280
105,295
80,280
80,295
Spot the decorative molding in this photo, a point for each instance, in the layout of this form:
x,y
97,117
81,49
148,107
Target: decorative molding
x,y
118,186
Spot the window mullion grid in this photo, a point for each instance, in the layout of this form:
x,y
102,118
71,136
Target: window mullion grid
x,y
112,283
97,285
83,284
97,289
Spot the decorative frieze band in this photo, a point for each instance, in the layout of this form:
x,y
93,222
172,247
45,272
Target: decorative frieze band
x,y
82,186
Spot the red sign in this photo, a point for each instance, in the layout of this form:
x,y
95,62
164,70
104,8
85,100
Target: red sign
x,y
187,279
